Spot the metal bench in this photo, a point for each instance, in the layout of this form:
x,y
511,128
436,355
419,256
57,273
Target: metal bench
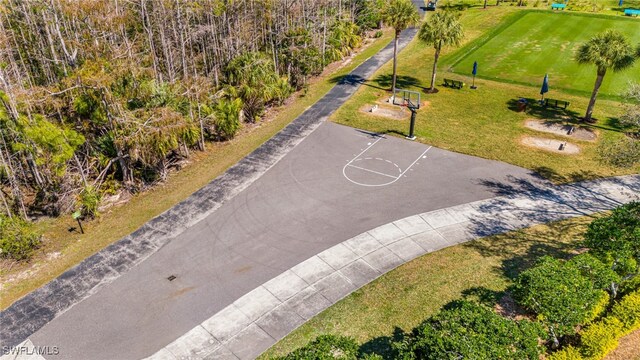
x,y
558,6
453,83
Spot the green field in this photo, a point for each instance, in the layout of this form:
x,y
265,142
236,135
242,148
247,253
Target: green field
x,y
533,43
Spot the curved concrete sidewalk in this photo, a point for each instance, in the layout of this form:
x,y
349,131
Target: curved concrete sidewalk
x,y
256,321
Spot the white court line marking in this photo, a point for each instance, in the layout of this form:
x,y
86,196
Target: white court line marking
x,y
373,171
413,163
357,158
363,151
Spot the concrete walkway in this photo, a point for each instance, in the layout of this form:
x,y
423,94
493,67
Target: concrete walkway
x,y
256,321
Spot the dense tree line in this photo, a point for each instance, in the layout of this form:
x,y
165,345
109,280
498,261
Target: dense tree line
x,y
109,94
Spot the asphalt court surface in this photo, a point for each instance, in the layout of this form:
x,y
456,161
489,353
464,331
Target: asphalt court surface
x,y
378,165
336,184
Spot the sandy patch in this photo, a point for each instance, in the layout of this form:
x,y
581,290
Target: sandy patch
x,y
628,348
561,129
396,112
551,145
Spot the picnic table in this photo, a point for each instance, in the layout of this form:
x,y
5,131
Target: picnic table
x,y
555,103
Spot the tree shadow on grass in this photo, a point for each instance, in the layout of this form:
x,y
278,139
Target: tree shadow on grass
x,y
526,248
382,345
402,82
483,295
534,109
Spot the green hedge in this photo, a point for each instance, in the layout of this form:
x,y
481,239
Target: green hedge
x,y
467,330
325,347
602,336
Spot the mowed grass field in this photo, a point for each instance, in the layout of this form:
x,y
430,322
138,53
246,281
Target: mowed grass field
x,y
484,122
533,43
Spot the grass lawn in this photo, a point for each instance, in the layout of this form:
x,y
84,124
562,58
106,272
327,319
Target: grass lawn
x,y
484,122
532,43
402,298
63,249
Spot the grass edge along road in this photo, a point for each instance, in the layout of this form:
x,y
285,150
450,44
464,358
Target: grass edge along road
x,y
480,270
485,122
463,58
63,249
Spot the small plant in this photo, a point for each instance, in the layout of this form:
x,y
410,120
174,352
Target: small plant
x,y
18,241
89,201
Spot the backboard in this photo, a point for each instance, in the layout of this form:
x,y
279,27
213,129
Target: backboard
x,y
408,98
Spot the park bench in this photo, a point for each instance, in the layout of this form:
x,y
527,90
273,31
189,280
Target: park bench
x,y
558,6
632,12
556,103
453,83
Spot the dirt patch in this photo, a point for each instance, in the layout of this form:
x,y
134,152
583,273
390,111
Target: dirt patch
x,y
628,348
508,308
395,112
554,127
556,146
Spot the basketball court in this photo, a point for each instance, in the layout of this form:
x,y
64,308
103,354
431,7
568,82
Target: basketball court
x,y
337,183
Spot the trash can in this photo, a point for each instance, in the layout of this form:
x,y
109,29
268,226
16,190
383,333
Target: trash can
x,y
522,105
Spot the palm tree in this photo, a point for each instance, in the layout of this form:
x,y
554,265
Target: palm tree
x,y
609,50
399,14
443,29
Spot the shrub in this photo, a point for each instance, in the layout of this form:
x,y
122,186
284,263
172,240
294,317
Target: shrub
x,y
600,337
325,347
559,293
568,353
600,307
615,239
627,310
471,331
89,201
17,239
227,118
595,270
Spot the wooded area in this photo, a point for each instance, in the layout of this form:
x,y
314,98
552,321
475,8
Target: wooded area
x,y
107,95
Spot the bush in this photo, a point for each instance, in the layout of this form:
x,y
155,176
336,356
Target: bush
x,y
615,239
17,239
471,331
600,337
89,201
559,293
227,118
568,353
325,347
595,270
627,310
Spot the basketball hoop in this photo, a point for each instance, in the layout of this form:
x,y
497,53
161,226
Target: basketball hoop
x,y
411,100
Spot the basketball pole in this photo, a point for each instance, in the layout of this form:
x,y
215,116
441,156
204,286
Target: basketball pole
x,y
412,124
